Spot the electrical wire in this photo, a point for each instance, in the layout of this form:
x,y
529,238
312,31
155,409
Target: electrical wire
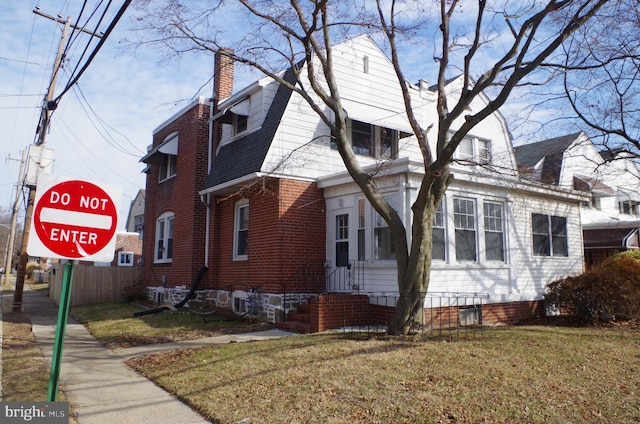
x,y
112,25
105,126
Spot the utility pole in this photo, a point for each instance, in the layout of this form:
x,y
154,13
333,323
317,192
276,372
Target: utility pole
x,y
43,127
49,106
14,218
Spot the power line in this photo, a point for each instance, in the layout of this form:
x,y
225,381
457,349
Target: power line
x,y
112,25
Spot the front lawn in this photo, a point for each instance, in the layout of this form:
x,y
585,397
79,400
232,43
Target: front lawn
x,y
114,324
532,374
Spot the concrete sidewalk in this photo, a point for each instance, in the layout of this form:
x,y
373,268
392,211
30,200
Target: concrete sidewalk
x,y
100,385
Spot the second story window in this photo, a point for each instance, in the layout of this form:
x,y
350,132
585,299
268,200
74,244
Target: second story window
x,y
240,124
473,149
168,166
371,140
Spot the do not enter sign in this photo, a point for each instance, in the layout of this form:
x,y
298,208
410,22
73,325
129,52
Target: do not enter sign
x,y
74,219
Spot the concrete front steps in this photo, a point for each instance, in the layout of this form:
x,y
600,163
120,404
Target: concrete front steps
x,y
298,320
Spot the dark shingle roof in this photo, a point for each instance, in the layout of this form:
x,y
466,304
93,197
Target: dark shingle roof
x,y
246,155
552,150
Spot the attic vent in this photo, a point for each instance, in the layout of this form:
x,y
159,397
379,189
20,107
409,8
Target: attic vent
x,y
365,64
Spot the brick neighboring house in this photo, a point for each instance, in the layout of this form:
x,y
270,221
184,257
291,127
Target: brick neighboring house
x,y
247,196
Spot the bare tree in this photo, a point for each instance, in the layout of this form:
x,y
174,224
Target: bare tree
x,y
601,75
299,35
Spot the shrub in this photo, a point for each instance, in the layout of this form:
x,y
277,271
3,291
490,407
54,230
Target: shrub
x,y
31,266
611,291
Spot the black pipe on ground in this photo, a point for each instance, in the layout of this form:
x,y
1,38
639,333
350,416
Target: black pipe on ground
x,y
180,304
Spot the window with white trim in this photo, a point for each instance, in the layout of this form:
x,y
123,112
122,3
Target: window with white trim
x,y
438,251
372,140
125,258
474,149
241,230
361,230
168,159
464,218
168,165
383,248
493,231
164,238
549,235
240,124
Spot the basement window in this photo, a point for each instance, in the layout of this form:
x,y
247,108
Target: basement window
x,y
470,315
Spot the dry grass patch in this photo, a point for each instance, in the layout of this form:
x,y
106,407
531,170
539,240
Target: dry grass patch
x,y
114,325
25,372
520,374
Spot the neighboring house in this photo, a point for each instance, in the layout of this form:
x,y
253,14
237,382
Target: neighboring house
x,y
135,218
254,189
611,179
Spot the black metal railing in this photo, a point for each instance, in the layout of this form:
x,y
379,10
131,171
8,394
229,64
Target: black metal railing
x,y
346,279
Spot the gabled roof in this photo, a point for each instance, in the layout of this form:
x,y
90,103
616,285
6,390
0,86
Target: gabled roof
x,y
246,155
550,151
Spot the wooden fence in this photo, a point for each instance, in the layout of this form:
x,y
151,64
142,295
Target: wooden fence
x,y
93,284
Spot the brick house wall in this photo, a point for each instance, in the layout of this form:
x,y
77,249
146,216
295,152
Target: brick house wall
x,y
286,239
179,195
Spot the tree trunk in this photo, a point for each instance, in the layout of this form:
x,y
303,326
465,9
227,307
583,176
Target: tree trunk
x,y
413,280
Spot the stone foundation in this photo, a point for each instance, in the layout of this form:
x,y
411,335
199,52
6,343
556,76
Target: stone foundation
x,y
271,307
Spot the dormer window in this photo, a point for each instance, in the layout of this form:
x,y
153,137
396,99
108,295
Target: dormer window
x,y
372,140
236,115
240,124
473,149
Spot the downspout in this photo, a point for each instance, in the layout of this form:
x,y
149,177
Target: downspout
x,y
207,222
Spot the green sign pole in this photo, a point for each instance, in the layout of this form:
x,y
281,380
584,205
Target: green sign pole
x,y
58,344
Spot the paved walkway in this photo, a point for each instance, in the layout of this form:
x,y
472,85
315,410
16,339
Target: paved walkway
x,y
100,385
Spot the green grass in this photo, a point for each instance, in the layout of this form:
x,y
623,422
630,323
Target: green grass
x,y
519,374
114,324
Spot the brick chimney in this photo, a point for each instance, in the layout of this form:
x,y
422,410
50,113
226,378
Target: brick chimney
x,y
222,88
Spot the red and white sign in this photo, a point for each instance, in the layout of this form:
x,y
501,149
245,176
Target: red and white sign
x,y
74,219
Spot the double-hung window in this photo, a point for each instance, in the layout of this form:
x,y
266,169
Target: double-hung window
x,y
473,149
168,166
464,217
383,242
493,231
549,235
361,230
371,140
438,234
241,233
164,238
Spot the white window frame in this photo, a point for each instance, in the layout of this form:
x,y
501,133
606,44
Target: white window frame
x,y
168,166
551,237
164,233
125,258
237,120
493,224
168,163
380,224
440,224
238,227
480,150
466,222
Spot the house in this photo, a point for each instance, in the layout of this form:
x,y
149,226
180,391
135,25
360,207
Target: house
x,y
610,178
248,199
135,217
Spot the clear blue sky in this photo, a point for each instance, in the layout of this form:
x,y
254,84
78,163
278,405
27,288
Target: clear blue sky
x,y
99,131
